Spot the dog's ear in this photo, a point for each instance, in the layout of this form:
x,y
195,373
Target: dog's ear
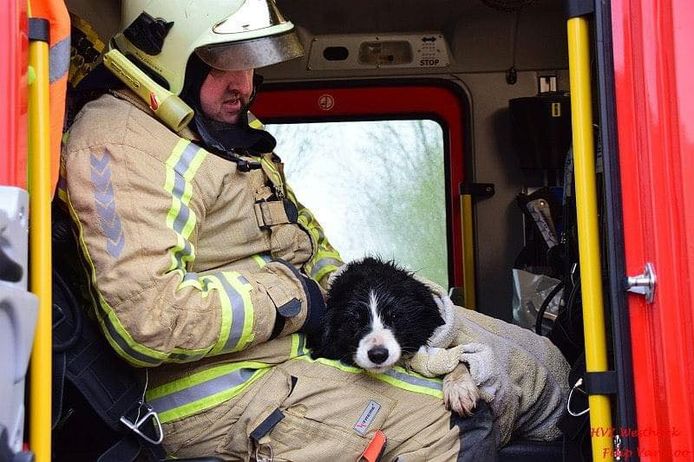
x,y
428,298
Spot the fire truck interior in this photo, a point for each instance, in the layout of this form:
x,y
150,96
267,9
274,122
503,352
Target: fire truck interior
x,y
459,111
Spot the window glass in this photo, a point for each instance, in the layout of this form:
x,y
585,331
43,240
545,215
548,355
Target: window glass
x,y
376,187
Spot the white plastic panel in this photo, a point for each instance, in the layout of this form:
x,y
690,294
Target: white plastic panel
x,y
18,311
14,228
358,51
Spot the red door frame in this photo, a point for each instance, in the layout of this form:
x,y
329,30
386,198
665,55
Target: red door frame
x,y
653,49
370,100
14,61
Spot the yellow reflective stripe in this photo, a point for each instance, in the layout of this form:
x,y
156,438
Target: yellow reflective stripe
x,y
173,159
199,377
261,260
182,164
334,363
324,264
271,168
203,390
255,123
226,312
397,376
234,292
298,346
408,380
245,288
181,167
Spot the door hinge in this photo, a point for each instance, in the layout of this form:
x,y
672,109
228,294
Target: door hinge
x,y
643,284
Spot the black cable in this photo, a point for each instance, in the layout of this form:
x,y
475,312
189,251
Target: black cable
x,y
545,304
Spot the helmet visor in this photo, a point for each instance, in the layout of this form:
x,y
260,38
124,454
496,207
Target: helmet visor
x,y
252,53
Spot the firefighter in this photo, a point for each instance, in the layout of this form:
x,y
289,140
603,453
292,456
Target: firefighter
x,y
206,271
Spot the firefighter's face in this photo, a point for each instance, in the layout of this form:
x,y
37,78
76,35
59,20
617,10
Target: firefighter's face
x,y
224,93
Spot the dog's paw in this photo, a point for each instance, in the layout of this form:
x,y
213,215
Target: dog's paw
x,y
460,394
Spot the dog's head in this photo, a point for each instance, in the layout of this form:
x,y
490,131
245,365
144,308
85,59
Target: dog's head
x,y
377,314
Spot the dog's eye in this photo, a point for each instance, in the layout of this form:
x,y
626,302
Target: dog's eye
x,y
387,316
358,313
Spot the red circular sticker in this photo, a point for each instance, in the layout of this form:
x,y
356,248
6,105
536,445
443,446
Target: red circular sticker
x,y
326,102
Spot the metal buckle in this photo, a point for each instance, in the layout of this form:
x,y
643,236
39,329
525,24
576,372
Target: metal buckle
x,y
139,422
262,457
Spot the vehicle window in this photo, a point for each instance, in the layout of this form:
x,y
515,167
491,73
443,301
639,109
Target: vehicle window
x,y
376,187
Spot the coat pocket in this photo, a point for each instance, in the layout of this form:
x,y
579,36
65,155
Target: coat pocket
x,y
255,407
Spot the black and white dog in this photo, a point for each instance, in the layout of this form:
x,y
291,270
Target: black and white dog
x,y
379,315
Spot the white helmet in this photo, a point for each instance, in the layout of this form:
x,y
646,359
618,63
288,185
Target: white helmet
x,y
161,35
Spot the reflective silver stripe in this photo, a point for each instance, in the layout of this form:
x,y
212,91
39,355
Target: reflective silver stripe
x,y
238,312
322,263
201,391
181,218
59,60
183,163
238,307
204,283
416,381
186,251
179,185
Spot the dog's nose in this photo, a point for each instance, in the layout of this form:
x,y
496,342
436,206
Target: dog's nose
x,y
378,354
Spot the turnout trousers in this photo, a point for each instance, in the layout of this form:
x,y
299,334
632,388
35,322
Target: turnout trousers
x,y
317,410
